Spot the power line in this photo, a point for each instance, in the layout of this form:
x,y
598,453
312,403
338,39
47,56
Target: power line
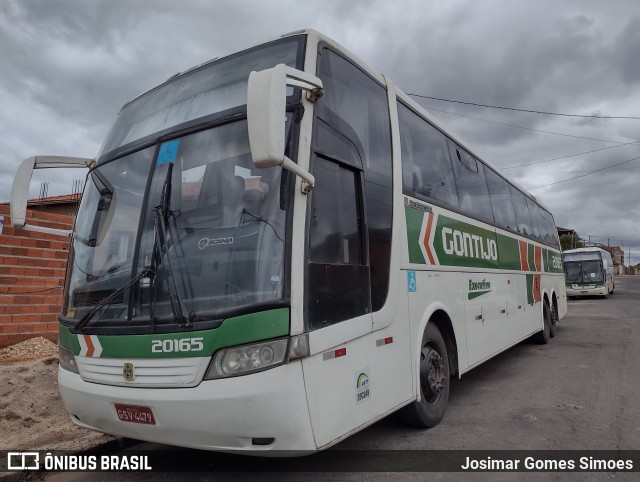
x,y
522,127
571,155
583,175
525,110
586,170
614,236
602,183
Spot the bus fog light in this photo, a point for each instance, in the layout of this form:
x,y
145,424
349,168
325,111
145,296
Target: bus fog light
x,y
241,360
66,359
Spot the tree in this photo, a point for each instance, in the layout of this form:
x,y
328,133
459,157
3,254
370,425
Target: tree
x,y
570,241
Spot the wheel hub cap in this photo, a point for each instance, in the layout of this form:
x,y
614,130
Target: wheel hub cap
x,y
431,372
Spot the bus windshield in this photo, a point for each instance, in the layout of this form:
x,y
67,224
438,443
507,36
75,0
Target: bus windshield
x,y
223,239
583,268
176,224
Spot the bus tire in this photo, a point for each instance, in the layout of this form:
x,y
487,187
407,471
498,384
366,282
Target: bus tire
x,y
434,382
544,335
554,320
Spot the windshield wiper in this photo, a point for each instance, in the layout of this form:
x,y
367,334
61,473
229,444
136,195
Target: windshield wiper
x,y
160,254
147,272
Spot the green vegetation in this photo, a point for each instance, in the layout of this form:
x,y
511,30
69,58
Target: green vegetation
x,y
570,241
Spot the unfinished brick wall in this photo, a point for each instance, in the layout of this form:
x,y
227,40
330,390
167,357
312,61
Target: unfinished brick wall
x,y
32,269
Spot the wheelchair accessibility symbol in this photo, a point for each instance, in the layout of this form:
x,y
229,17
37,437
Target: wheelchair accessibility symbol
x,y
411,281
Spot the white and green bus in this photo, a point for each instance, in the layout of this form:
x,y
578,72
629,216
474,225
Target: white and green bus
x,y
277,248
588,272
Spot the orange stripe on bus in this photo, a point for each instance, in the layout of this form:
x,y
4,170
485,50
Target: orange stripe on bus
x,y
524,262
90,347
538,257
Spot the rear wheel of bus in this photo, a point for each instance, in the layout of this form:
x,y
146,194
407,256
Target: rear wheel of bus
x,y
434,382
544,335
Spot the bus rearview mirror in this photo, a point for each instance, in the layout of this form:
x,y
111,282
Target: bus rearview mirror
x,y
20,188
266,116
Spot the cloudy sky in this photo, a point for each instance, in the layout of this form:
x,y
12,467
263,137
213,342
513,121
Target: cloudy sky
x,y
67,66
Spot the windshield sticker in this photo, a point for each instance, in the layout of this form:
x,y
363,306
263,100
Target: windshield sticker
x,y
205,242
363,389
168,152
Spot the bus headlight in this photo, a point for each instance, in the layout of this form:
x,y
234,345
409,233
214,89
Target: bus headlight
x,y
66,359
240,360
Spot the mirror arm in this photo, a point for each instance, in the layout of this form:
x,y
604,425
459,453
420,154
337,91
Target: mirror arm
x,y
308,180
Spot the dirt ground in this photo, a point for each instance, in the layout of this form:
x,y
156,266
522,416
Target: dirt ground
x,y
32,416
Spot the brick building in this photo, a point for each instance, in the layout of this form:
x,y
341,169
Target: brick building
x,y
32,268
617,254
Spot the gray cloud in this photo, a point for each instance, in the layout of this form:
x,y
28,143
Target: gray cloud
x,y
68,66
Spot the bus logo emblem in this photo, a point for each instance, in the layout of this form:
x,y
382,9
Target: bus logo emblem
x,y
127,372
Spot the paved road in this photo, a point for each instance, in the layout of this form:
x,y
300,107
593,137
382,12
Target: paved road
x,y
581,391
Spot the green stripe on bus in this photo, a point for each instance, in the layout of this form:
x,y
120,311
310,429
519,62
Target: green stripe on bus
x,y
234,331
414,224
456,243
508,252
531,257
530,299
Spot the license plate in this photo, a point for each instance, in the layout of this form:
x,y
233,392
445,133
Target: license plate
x,y
135,414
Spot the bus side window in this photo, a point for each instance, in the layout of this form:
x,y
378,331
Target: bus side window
x,y
426,166
501,205
547,227
553,231
536,220
521,209
471,183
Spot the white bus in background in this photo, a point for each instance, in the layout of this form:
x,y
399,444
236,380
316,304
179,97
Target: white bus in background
x,y
277,248
588,272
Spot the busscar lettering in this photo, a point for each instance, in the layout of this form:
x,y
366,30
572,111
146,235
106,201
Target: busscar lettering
x,y
468,245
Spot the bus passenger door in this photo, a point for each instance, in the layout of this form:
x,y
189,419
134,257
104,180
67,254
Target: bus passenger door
x,y
337,304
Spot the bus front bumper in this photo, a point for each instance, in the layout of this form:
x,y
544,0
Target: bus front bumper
x,y
587,291
226,415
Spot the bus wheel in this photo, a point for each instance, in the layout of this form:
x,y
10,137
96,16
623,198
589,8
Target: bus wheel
x,y
434,382
544,335
554,321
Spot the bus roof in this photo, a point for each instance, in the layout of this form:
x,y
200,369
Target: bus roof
x,y
590,249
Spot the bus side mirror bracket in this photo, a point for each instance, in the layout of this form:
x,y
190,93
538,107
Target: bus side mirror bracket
x,y
266,116
20,188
